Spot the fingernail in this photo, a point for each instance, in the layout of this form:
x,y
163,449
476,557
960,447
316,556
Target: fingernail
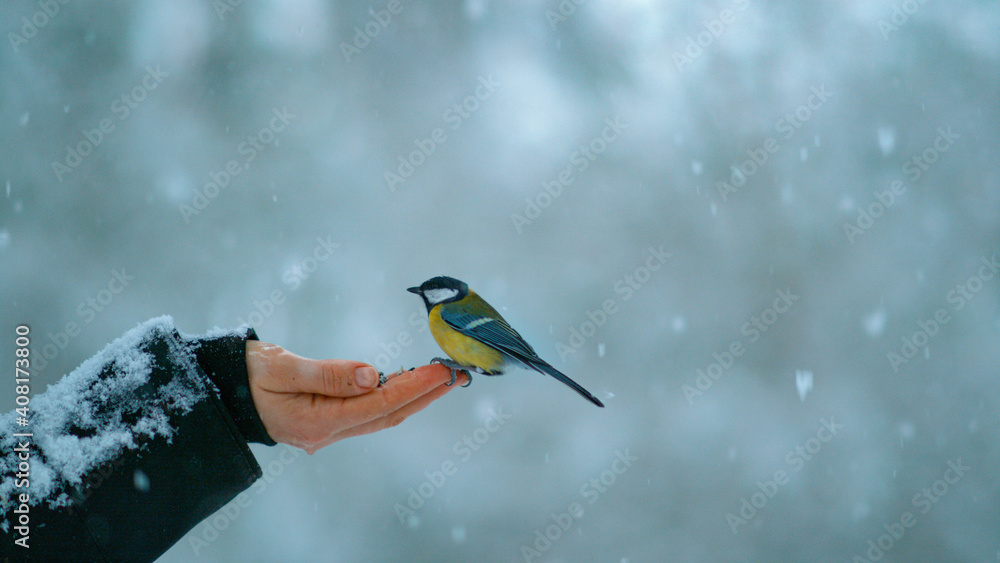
x,y
366,376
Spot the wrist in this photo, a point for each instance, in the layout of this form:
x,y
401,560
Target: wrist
x,y
224,361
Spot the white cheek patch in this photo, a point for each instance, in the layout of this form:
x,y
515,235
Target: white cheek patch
x,y
439,295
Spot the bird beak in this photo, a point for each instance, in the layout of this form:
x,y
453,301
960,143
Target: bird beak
x,y
413,290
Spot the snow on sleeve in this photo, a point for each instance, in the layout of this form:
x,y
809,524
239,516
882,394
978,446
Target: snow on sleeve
x,y
100,408
216,332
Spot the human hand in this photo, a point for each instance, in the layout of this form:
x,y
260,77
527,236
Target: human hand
x,y
310,404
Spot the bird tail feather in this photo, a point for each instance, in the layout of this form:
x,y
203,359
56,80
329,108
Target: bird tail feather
x,y
546,368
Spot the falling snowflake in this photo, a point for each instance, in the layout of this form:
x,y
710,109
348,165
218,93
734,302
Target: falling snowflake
x,y
803,383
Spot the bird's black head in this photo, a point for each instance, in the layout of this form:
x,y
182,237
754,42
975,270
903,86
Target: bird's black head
x,y
441,289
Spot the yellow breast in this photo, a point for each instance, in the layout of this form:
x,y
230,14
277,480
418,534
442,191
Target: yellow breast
x,y
461,348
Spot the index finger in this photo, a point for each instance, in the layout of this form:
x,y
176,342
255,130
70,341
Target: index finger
x,y
394,395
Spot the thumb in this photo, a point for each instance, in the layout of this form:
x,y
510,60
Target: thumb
x,y
285,372
340,378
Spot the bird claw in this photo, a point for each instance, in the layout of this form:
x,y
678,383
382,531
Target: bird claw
x,y
455,367
382,378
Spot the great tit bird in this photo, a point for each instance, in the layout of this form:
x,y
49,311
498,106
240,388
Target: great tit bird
x,y
475,335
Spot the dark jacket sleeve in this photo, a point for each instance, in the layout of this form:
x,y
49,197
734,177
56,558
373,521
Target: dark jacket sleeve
x,y
134,448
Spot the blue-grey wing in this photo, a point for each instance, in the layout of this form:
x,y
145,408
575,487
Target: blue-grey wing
x,y
492,331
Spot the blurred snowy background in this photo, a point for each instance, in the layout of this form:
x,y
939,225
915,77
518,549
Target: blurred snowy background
x,y
811,369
